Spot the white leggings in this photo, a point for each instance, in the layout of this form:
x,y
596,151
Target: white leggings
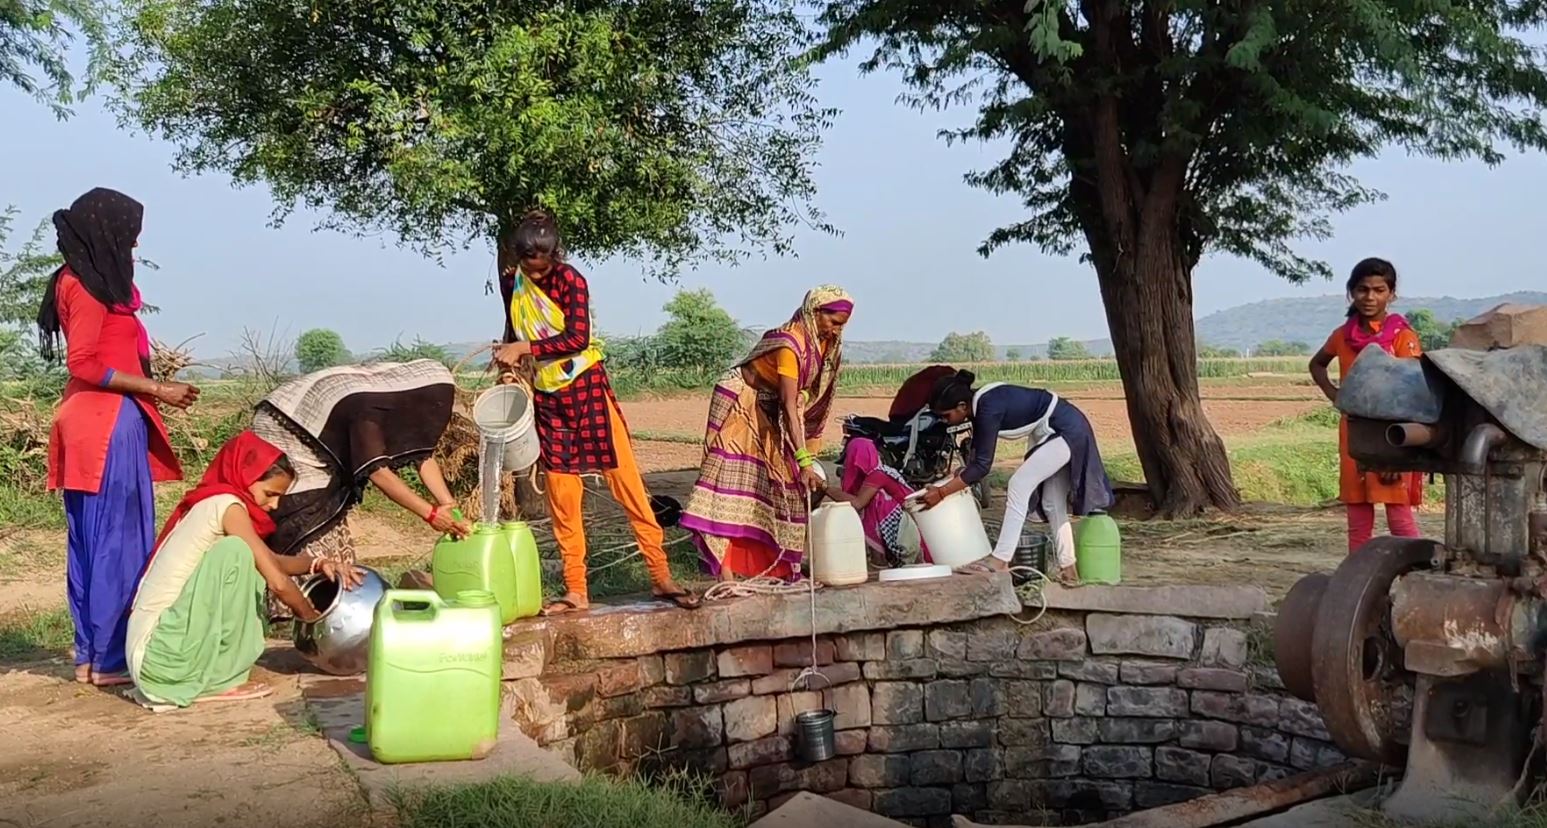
x,y
1047,467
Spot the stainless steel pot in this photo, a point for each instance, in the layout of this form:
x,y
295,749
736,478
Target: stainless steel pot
x,y
340,641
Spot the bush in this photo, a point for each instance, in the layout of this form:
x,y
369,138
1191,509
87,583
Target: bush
x,y
320,348
958,348
698,334
1062,349
1280,348
398,351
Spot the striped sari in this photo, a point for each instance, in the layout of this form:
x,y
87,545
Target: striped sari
x,y
748,511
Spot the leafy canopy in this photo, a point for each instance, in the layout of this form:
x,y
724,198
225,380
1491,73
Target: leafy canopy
x,y
698,333
964,348
1244,115
320,348
34,36
1064,348
666,129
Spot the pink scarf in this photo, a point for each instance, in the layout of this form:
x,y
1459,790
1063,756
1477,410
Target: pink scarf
x,y
1384,335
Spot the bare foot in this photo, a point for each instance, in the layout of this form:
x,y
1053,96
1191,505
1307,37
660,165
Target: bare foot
x,y
567,604
1069,576
110,679
241,692
983,565
83,673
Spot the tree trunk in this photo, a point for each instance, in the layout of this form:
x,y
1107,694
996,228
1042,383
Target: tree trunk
x,y
1148,299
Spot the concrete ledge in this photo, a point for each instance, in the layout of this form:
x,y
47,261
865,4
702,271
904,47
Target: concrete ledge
x,y
807,810
1230,602
651,627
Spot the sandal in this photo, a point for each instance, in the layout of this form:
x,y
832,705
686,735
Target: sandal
x,y
565,606
978,567
683,600
110,679
242,692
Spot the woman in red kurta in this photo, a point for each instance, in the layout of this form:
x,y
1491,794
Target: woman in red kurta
x,y
108,444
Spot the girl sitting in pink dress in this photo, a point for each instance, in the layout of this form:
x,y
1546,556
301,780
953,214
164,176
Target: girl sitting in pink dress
x,y
877,493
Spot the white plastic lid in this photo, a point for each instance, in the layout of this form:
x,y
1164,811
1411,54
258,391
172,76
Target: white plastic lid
x,y
915,572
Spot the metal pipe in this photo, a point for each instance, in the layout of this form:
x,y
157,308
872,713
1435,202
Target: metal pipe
x,y
1414,435
1474,452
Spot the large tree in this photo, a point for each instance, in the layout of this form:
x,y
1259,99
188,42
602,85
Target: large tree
x,y
1146,133
661,129
35,36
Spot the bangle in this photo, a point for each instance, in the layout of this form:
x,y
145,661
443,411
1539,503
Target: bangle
x,y
316,562
430,518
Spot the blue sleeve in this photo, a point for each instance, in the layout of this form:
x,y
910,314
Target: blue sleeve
x,y
985,440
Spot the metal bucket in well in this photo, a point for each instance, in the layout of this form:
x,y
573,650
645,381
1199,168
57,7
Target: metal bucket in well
x,y
815,731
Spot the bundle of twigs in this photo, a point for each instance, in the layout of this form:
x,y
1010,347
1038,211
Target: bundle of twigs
x,y
167,361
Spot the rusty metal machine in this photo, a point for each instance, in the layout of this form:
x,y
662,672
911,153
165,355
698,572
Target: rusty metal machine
x,y
1429,654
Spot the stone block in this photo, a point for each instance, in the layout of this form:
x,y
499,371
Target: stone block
x,y
1223,647
912,802
733,790
851,703
618,678
893,669
935,767
1233,602
770,780
967,798
981,765
665,695
904,738
1261,711
1138,731
850,742
1149,635
1066,644
1305,754
1158,794
905,644
960,668
967,733
790,704
526,655
718,692
897,702
1084,795
761,752
697,727
1187,767
708,762
1039,670
860,646
783,680
825,777
1079,731
1041,762
690,666
1023,699
1233,772
1100,672
1264,743
1058,699
1212,678
1269,772
946,645
877,771
992,644
1012,795
1302,718
1023,732
1151,702
1090,700
988,700
1148,672
1208,735
751,718
797,653
601,710
652,669
852,797
1266,678
745,660
946,699
1117,762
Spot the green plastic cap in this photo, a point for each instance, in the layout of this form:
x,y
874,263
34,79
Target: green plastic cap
x,y
475,598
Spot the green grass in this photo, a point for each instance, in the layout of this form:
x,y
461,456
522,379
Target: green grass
x,y
32,636
595,802
1085,370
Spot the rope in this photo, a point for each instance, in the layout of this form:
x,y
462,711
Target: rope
x,y
1031,592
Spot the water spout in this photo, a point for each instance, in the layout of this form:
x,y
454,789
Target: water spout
x,y
1481,440
1414,435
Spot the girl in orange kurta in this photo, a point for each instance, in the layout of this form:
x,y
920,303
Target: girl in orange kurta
x,y
1371,289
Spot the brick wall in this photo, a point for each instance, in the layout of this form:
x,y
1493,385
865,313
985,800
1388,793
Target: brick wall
x,y
1080,717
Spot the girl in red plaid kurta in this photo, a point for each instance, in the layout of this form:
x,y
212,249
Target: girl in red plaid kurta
x,y
579,426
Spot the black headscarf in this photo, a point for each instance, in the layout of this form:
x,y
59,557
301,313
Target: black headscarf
x,y
96,237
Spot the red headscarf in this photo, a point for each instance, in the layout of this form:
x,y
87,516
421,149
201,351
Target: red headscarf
x,y
241,462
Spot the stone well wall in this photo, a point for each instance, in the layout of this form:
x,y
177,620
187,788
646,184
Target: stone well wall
x,y
1116,699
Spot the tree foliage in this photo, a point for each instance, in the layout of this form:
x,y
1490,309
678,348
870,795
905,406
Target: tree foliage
x,y
1432,333
400,351
698,333
963,348
320,348
1064,348
34,37
1207,351
1012,354
24,274
661,129
1281,348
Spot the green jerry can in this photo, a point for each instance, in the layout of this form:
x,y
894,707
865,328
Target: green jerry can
x,y
480,561
1098,550
529,570
432,685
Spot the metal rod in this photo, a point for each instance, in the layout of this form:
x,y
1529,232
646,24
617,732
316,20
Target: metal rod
x,y
1414,435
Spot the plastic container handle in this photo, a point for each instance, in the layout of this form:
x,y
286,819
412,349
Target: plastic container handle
x,y
400,599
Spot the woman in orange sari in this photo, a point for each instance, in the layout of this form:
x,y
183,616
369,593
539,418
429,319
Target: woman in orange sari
x,y
1371,288
748,511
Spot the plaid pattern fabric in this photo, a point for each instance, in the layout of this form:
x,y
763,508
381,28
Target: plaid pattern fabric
x,y
573,429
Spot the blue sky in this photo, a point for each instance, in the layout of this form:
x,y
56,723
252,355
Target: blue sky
x,y
884,179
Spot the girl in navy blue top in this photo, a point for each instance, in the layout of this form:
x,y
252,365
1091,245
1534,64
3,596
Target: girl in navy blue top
x,y
1061,473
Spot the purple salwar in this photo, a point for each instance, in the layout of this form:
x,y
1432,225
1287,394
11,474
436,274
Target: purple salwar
x,y
111,535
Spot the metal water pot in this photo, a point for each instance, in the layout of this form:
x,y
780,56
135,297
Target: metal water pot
x,y
340,641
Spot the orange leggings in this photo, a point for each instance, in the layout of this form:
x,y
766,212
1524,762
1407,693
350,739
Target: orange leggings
x,y
566,493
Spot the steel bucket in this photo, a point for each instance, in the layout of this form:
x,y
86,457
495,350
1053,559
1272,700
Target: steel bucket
x,y
817,742
340,641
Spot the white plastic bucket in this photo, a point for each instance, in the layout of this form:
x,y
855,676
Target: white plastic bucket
x,y
504,415
953,529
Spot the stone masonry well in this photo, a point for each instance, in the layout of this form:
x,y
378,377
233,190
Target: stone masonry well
x,y
1117,699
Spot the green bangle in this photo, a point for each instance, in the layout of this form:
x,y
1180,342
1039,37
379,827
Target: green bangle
x,y
805,462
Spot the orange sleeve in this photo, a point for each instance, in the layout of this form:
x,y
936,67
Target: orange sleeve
x,y
1408,345
787,365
